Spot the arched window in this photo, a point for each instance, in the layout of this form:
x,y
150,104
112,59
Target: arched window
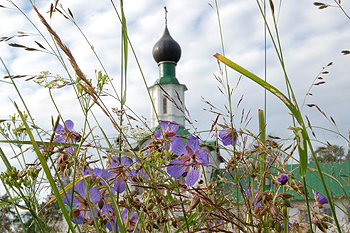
x,y
165,107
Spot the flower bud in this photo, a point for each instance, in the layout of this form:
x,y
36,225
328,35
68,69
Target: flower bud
x,y
274,210
286,203
319,225
285,211
67,172
155,226
122,203
287,195
194,202
174,224
101,203
282,179
150,206
278,226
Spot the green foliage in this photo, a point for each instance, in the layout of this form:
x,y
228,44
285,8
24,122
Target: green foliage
x,y
330,153
10,221
8,217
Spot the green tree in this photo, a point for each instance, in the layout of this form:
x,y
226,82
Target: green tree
x,y
51,214
10,222
8,217
330,153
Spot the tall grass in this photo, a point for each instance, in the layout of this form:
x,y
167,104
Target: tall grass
x,y
127,185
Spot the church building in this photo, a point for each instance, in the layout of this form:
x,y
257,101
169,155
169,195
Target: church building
x,y
168,97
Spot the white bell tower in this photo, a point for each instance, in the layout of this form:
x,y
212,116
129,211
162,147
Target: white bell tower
x,y
168,95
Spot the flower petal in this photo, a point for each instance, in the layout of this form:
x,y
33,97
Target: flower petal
x,y
69,199
95,195
80,188
125,214
321,199
226,140
178,147
174,127
69,125
59,129
283,179
114,162
193,143
163,125
192,175
158,134
109,225
119,185
80,218
100,173
176,168
70,150
126,161
202,157
61,139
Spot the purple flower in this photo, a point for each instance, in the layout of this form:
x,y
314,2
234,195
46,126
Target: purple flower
x,y
320,199
81,200
130,219
121,172
140,171
191,156
290,225
283,179
102,174
109,214
66,134
249,192
227,137
218,220
169,130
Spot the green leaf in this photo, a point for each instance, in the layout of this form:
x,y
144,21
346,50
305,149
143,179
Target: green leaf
x,y
264,84
5,160
302,148
302,136
12,201
190,220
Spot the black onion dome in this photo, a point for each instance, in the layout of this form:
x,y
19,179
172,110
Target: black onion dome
x,y
166,49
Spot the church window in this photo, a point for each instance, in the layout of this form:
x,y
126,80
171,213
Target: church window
x,y
165,107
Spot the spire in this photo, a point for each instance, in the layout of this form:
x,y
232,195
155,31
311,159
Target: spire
x,y
166,49
166,16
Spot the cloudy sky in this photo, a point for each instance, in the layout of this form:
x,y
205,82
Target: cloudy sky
x,y
310,39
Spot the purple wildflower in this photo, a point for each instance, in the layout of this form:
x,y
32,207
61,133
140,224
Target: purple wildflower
x,y
66,133
81,200
282,179
256,194
130,219
218,220
290,225
169,130
102,174
109,214
320,199
191,156
140,171
120,170
227,137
